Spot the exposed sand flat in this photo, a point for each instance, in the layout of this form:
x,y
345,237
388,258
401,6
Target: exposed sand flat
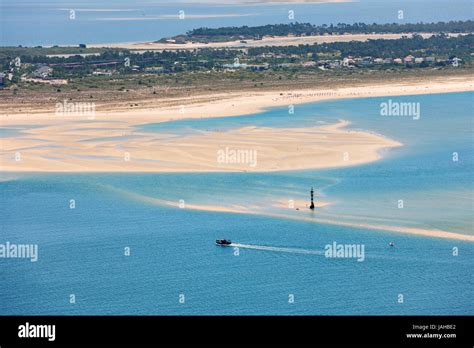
x,y
155,18
259,210
229,104
434,233
77,144
398,229
297,204
110,141
78,147
266,41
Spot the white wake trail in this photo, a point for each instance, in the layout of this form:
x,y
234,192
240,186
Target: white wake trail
x,y
278,249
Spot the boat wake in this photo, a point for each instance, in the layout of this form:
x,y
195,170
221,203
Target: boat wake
x,y
278,249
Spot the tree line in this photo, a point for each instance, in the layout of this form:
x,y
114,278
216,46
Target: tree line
x,y
332,29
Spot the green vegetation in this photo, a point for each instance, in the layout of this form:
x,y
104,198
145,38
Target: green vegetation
x,y
437,45
300,29
99,72
439,48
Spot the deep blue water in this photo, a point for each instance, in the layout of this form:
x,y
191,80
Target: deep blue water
x,y
29,22
81,253
81,250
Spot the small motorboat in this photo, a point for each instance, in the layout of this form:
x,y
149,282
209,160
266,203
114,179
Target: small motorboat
x,y
223,242
391,244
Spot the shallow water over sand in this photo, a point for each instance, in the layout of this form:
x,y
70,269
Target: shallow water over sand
x,y
172,251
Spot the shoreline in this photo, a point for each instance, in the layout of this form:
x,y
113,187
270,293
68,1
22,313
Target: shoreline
x,y
266,41
422,232
67,148
235,103
59,143
242,104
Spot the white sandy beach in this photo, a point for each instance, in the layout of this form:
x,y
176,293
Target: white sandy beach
x,y
266,41
111,141
61,143
229,104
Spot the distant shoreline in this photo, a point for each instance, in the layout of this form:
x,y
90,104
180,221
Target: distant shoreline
x,y
69,133
98,144
236,103
266,41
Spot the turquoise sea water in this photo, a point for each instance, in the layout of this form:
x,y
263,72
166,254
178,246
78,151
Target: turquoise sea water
x,y
81,250
48,22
